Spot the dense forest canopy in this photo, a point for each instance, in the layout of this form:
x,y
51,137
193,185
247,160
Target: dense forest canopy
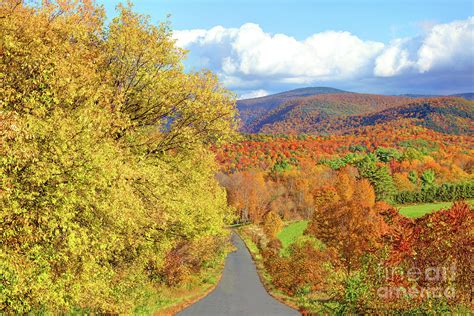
x,y
345,113
105,160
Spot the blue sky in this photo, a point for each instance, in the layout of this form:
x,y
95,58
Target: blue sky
x,y
391,46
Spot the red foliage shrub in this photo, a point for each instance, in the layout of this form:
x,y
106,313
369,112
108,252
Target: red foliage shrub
x,y
439,247
443,243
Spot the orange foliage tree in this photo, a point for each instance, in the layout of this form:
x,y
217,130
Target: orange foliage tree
x,y
272,224
351,226
306,267
248,193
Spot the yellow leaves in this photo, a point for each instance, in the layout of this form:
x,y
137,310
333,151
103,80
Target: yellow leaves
x,y
104,162
345,186
364,194
147,74
402,182
47,59
272,224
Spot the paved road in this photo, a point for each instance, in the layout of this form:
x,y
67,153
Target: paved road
x,y
239,292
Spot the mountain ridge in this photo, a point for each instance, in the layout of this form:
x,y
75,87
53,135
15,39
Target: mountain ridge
x,y
254,107
256,112
324,110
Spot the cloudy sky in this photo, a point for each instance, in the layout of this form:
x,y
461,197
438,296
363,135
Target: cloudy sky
x,y
386,46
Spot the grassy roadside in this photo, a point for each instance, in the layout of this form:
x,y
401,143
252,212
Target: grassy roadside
x,y
167,301
265,278
172,300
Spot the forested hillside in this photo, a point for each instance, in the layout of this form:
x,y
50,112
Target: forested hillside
x,y
306,115
445,115
467,96
107,196
251,109
335,113
346,113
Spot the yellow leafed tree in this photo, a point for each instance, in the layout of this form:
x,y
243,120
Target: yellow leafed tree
x,y
104,163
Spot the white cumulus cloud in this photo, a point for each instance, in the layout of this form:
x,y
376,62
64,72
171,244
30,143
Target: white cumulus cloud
x,y
247,56
447,45
444,46
248,51
186,37
394,60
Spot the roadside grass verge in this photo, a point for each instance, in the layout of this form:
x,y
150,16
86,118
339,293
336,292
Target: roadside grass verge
x,y
167,301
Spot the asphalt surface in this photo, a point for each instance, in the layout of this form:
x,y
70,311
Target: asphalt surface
x,y
239,292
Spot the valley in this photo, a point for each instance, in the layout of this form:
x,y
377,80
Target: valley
x,y
335,187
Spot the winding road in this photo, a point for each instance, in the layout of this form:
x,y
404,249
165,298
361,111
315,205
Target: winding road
x,y
239,292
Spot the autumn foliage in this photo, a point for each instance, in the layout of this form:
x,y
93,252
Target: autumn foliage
x,y
440,243
272,224
358,254
119,171
107,187
306,268
351,225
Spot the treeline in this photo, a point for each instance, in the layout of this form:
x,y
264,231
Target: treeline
x,y
444,192
107,183
401,150
394,182
295,193
292,194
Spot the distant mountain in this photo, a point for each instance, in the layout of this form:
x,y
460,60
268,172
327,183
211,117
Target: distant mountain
x,y
250,109
447,115
467,96
443,114
417,96
324,110
305,114
305,92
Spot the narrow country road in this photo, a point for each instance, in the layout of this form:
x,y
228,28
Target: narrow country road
x,y
239,292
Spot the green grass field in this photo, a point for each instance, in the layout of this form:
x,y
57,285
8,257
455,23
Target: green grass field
x,y
419,210
290,233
